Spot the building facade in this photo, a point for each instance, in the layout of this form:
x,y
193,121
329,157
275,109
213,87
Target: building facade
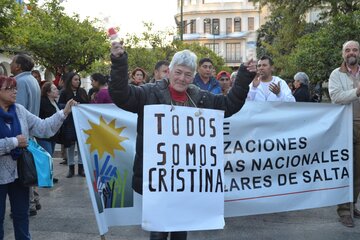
x,y
228,27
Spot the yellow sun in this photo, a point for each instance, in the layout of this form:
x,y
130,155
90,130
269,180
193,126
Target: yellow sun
x,y
105,137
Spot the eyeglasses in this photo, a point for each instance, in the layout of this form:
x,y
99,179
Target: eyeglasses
x,y
224,79
10,89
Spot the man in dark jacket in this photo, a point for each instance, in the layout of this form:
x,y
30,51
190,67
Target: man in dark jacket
x,y
177,90
204,78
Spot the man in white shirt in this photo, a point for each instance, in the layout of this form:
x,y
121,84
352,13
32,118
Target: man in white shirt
x,y
268,88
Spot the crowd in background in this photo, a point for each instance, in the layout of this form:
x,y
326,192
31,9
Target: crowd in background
x,y
52,98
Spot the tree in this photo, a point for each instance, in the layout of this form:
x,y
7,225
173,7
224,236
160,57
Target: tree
x,y
147,57
328,8
56,39
280,38
146,49
9,10
319,53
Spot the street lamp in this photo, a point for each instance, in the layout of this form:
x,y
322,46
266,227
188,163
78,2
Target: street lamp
x,y
181,20
181,25
192,21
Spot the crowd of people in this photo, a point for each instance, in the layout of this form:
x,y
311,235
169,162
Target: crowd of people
x,y
33,108
265,86
19,110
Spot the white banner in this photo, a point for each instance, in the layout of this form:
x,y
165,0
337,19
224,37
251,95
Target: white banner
x,y
183,169
106,136
287,156
277,157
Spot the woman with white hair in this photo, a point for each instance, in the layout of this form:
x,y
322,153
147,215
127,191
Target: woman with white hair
x,y
301,84
178,90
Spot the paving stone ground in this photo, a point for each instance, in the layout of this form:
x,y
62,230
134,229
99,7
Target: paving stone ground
x,y
67,214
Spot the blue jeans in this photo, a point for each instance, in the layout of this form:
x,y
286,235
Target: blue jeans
x,y
70,154
19,203
49,146
164,235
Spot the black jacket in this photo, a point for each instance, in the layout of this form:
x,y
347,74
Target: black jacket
x,y
47,110
68,132
133,99
302,94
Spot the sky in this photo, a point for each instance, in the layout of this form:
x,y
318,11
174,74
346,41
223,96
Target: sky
x,y
128,15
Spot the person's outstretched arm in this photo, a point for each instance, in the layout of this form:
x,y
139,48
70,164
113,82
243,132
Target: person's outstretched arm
x,y
125,96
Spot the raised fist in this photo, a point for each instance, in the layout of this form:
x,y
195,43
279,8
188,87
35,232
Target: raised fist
x,y
117,48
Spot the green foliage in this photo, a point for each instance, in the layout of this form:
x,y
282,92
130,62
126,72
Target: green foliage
x,y
278,37
99,66
319,53
152,46
56,39
266,35
310,47
329,7
336,7
9,10
146,49
140,55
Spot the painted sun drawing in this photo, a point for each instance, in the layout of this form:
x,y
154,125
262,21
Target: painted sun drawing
x,y
105,137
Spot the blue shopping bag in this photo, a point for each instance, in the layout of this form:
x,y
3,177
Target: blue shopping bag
x,y
43,163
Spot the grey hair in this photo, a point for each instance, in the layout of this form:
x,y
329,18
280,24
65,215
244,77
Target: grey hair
x,y
302,77
184,58
351,41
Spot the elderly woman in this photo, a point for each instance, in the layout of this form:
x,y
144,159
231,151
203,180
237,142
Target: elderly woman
x,y
177,90
301,85
16,125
